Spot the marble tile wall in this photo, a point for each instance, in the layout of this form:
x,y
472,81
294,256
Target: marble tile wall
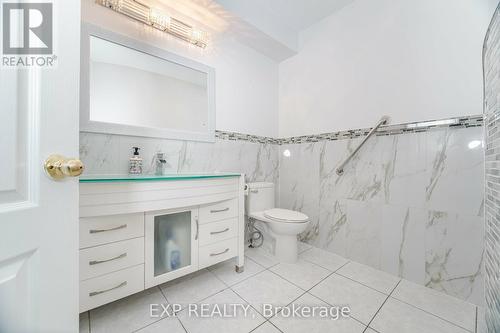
x,y
492,166
109,154
256,157
409,204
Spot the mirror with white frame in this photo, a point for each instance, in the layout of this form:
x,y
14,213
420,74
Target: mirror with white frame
x,y
132,88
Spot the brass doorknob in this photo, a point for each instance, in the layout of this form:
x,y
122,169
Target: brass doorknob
x,y
59,167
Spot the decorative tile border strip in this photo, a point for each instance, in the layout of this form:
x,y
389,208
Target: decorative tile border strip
x,y
223,135
416,127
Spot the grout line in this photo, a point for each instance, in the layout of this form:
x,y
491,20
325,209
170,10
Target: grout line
x,y
201,300
306,292
335,271
183,327
432,314
324,301
381,306
154,322
312,262
164,296
361,283
255,261
306,250
270,322
301,288
238,282
331,272
88,313
258,326
475,329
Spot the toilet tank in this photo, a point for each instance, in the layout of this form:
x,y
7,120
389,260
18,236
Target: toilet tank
x,y
260,197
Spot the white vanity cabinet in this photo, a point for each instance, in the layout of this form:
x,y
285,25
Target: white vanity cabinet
x,y
138,232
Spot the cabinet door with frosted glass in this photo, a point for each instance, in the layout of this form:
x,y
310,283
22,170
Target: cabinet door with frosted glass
x,y
171,245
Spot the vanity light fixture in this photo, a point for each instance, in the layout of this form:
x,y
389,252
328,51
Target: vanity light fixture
x,y
157,19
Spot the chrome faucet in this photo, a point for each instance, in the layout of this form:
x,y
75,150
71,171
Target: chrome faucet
x,y
160,163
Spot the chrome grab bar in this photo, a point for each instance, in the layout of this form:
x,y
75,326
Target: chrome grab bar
x,y
383,121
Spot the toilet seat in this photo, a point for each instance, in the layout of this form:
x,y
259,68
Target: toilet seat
x,y
285,215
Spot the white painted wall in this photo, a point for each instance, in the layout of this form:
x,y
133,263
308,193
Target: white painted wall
x,y
246,81
412,60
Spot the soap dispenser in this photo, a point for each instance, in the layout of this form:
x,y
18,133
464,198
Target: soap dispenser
x,y
135,166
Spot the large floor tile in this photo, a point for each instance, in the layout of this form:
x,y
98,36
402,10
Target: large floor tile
x,y
192,288
127,314
267,288
323,258
398,317
302,273
267,327
337,290
225,271
170,325
314,324
454,310
261,257
84,322
370,277
234,320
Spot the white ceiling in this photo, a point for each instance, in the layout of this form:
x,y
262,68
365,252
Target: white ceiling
x,y
293,14
281,20
269,26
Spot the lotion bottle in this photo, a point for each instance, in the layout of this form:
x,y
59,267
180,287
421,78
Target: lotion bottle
x,y
135,164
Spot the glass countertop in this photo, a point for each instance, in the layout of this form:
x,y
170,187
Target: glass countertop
x,y
141,178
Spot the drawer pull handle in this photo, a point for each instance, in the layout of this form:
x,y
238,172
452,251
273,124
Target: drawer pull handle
x,y
95,293
96,262
197,229
219,210
254,191
218,254
219,232
96,231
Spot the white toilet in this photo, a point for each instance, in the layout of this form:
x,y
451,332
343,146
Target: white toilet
x,y
285,224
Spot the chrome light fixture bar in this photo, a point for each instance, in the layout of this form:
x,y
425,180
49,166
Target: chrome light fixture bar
x,y
157,19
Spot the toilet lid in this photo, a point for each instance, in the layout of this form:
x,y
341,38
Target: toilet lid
x,y
285,215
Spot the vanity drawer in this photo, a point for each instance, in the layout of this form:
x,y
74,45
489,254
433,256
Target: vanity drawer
x,y
219,211
214,253
110,287
218,231
106,229
103,259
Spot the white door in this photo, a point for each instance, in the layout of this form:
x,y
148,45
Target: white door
x,y
39,216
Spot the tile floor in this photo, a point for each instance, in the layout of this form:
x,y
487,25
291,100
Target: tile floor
x,y
379,302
